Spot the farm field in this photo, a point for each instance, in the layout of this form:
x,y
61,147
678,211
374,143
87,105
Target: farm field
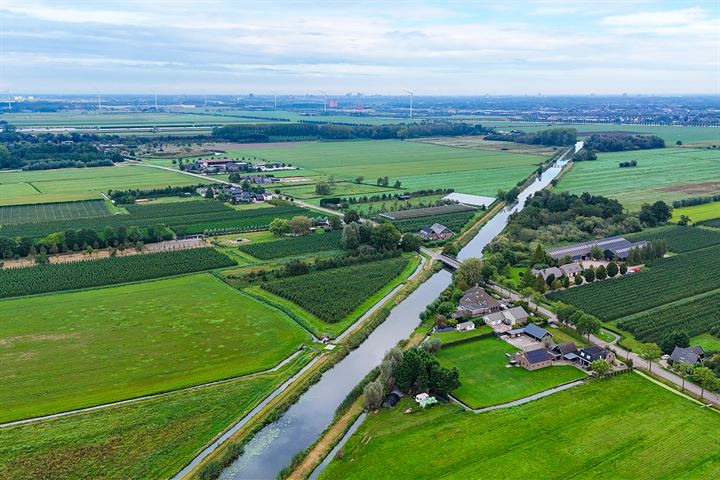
x,y
417,165
92,119
664,281
680,239
694,315
154,438
293,246
390,205
67,184
332,294
341,189
183,217
132,340
15,282
453,221
621,427
666,174
479,143
53,211
713,223
485,379
329,301
698,213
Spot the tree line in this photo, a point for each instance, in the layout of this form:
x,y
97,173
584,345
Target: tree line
x,y
263,132
550,137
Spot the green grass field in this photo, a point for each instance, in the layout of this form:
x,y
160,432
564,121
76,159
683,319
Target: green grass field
x,y
150,439
416,165
663,174
453,336
709,342
93,119
624,427
485,379
53,211
698,213
67,184
73,350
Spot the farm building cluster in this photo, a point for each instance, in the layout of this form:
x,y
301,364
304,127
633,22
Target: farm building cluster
x,y
536,345
612,247
218,166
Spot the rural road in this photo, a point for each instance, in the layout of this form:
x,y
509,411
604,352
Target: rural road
x,y
297,202
657,369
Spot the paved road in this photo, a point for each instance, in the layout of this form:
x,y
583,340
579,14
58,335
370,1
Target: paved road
x,y
655,367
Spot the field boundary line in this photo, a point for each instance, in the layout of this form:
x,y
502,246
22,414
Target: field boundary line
x,y
520,401
673,390
102,406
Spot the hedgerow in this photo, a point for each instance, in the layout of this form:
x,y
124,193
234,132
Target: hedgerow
x,y
333,294
107,271
293,246
665,281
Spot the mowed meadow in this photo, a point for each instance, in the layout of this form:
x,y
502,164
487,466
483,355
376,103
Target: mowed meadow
x,y
70,350
622,427
68,184
661,174
417,165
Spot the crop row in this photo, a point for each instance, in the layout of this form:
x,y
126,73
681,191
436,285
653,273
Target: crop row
x,y
164,210
694,317
44,212
680,239
195,222
664,281
333,294
715,223
454,221
293,246
428,211
57,277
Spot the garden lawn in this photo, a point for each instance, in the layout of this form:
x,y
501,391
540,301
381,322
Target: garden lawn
x,y
453,336
73,350
66,184
709,342
417,165
149,439
485,379
698,213
624,427
661,174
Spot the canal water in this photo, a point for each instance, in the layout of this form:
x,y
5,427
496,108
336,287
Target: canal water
x,y
274,446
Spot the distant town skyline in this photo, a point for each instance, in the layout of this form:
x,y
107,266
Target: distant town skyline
x,y
298,47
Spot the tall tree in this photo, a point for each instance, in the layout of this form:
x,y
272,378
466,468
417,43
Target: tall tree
x,y
469,273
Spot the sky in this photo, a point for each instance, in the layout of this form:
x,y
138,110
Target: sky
x,y
447,47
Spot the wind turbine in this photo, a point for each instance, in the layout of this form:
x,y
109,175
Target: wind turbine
x,y
205,97
412,95
324,100
155,93
275,94
8,99
98,97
